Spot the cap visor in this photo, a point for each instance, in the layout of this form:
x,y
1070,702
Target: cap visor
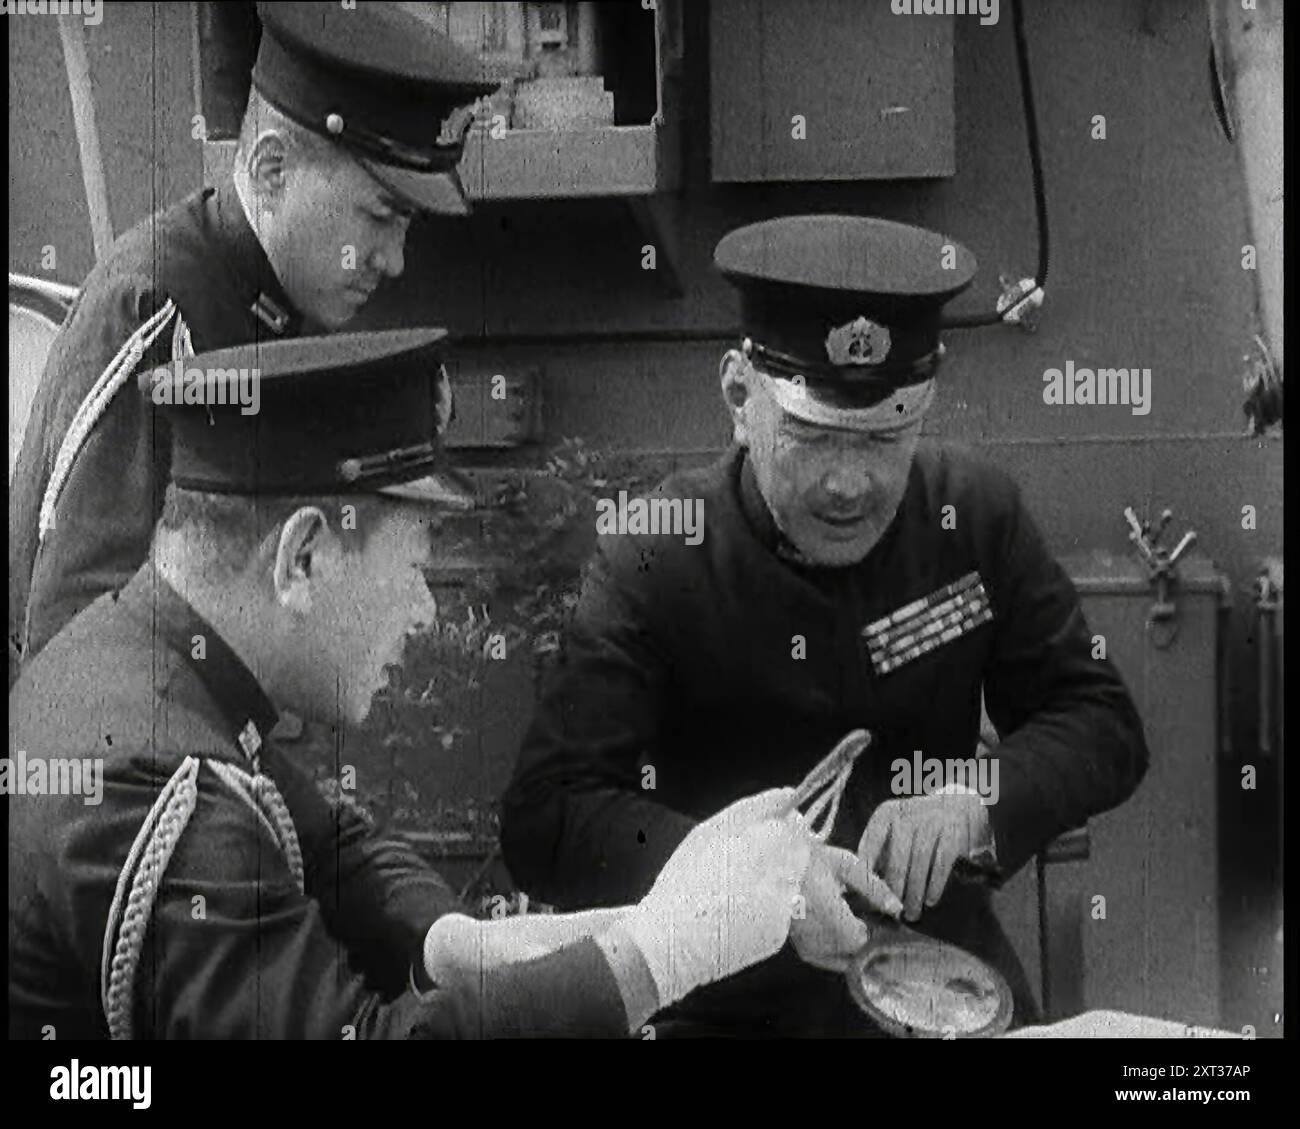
x,y
439,192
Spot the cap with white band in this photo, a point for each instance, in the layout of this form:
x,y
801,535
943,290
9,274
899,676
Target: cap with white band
x,y
842,314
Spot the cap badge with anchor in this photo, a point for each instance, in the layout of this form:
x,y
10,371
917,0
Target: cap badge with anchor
x,y
859,342
842,314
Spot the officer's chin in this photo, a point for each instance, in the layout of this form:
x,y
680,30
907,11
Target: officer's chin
x,y
336,713
833,552
337,314
342,703
358,702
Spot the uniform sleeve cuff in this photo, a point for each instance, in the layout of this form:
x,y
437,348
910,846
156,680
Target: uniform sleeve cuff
x,y
635,983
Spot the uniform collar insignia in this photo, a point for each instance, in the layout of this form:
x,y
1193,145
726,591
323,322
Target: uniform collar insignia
x,y
257,279
250,740
269,312
245,710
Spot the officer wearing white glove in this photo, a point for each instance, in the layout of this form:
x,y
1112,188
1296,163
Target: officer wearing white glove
x,y
723,902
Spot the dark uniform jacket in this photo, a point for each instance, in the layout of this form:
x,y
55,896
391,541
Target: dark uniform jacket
x,y
256,958
686,658
201,255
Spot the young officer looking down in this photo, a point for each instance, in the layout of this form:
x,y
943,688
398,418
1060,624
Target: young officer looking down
x,y
339,149
210,891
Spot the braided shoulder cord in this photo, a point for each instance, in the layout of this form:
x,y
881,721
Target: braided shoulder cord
x,y
95,404
152,851
260,793
268,795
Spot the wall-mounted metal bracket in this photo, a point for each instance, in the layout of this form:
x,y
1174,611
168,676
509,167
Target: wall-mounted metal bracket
x,y
1162,569
1262,383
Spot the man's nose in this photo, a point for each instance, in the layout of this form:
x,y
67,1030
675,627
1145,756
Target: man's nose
x,y
847,479
389,257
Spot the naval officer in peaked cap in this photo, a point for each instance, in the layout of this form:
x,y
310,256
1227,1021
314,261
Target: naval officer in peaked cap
x,y
851,575
209,891
356,120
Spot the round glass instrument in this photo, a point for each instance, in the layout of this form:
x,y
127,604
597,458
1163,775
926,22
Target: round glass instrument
x,y
918,988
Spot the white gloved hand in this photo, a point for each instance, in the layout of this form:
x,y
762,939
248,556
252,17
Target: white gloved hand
x,y
723,901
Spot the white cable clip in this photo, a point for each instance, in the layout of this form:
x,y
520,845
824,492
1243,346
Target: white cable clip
x,y
1020,301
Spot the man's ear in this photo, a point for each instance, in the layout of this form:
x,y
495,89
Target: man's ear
x,y
267,166
303,541
734,373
